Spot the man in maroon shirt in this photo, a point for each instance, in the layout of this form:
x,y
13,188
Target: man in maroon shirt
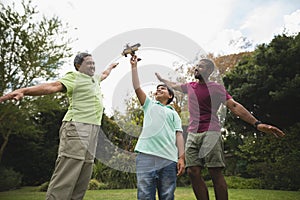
x,y
204,145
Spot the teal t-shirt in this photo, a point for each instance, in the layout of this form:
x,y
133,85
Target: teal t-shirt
x,y
158,135
85,98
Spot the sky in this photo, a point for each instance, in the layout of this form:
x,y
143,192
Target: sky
x,y
212,24
217,26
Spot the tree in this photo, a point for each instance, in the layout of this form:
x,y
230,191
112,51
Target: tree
x,y
268,83
227,62
33,152
31,49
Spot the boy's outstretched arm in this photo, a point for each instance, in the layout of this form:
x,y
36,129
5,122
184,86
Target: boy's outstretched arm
x,y
135,80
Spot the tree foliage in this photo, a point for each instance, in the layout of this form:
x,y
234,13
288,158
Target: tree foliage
x,y
267,83
33,152
31,49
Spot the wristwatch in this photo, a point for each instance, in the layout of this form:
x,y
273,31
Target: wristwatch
x,y
256,123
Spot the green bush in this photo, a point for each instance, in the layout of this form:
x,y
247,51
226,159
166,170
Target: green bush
x,y
9,179
93,185
96,185
116,178
183,180
235,182
43,187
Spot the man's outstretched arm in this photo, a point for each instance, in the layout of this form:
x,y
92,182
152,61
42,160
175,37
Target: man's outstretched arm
x,y
106,72
240,111
38,90
174,85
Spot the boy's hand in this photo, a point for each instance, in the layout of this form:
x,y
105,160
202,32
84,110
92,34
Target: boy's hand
x,y
133,61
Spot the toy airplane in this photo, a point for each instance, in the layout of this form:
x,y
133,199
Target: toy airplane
x,y
131,50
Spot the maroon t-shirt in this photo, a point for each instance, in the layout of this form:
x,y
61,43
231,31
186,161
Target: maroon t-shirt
x,y
204,101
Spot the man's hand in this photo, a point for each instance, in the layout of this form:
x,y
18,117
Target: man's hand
x,y
113,65
15,95
158,77
266,128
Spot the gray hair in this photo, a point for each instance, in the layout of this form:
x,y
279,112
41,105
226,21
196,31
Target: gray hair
x,y
79,59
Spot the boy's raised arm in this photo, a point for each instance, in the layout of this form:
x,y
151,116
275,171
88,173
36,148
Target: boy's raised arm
x,y
135,80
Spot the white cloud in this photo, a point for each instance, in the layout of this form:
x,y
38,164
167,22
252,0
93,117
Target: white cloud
x,y
97,21
263,22
229,41
292,22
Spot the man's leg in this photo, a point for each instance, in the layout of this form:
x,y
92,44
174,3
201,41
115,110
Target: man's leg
x,y
215,162
64,178
87,168
83,181
198,184
219,182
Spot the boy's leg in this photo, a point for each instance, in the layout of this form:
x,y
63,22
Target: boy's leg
x,y
167,181
146,177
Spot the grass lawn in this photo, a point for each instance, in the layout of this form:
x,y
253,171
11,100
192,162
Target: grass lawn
x,y
30,193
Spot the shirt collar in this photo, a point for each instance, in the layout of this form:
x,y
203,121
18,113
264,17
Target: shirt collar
x,y
168,106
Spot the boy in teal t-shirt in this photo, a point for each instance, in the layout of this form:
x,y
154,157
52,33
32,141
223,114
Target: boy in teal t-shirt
x,y
160,147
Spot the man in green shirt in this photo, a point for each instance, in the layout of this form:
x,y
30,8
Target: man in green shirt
x,y
79,130
160,147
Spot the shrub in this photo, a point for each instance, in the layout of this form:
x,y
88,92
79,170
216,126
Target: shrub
x,y
183,180
117,173
43,187
235,182
96,185
9,179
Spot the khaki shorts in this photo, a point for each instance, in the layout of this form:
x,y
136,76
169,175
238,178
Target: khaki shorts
x,y
205,149
78,140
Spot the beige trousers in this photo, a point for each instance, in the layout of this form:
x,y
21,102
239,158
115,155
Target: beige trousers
x,y
74,165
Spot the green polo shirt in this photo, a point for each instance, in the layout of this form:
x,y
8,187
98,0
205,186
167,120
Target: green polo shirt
x,y
158,136
85,98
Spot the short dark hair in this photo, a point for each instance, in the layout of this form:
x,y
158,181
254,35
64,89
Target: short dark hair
x,y
79,58
171,92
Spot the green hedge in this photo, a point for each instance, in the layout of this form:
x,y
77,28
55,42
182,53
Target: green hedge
x,y
235,182
10,179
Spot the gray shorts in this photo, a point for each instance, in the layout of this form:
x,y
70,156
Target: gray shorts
x,y
205,149
78,140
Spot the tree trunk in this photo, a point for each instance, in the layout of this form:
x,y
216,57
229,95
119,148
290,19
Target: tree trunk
x,y
5,141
